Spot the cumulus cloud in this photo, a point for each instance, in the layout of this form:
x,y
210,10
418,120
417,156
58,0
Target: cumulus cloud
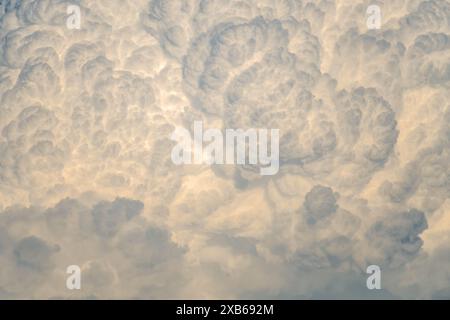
x,y
86,176
115,247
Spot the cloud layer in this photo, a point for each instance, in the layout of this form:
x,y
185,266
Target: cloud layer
x,y
86,176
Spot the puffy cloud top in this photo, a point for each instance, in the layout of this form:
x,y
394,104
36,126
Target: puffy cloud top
x,y
86,176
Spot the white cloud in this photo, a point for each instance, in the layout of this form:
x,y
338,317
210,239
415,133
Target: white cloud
x,y
85,123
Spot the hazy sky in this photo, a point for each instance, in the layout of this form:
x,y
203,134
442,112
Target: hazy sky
x,y
86,177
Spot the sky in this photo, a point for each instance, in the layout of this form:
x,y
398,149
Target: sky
x,y
91,91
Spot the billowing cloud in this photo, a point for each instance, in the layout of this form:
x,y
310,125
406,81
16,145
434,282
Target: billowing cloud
x,y
115,247
86,176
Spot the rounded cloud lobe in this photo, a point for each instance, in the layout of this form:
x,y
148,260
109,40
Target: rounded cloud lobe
x,y
86,176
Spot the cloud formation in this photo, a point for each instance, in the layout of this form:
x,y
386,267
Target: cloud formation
x,y
86,176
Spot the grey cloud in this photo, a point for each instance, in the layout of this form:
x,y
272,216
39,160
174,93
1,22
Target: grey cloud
x,y
108,217
34,253
319,203
109,241
397,239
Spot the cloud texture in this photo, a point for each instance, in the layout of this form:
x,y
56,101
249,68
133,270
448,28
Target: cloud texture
x,y
86,176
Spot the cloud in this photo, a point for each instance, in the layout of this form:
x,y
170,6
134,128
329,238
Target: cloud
x,y
319,203
86,176
111,243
